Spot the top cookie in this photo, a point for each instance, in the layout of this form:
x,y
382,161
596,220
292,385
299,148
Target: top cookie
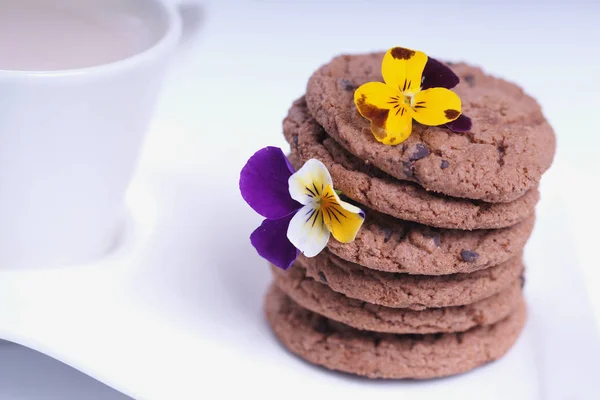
x,y
508,149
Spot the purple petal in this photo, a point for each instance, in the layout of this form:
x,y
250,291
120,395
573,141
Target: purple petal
x,y
271,242
437,74
460,124
264,183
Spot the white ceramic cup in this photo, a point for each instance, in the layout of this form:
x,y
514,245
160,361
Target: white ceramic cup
x,y
69,143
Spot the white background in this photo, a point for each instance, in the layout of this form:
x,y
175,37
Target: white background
x,y
200,284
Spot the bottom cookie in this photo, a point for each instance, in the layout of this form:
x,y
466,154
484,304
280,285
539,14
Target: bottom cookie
x,y
387,356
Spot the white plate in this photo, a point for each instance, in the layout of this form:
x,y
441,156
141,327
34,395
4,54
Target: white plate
x,y
179,314
28,375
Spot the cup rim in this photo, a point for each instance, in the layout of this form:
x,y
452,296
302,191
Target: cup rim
x,y
172,34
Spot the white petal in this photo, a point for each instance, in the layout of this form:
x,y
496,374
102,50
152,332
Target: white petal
x,y
308,232
309,181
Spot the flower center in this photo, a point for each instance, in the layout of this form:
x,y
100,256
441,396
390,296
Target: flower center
x,y
324,200
401,99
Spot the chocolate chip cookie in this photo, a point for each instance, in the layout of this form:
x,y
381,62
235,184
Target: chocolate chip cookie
x,y
367,185
416,292
388,244
382,355
504,155
317,297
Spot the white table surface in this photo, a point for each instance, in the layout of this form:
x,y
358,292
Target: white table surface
x,y
175,312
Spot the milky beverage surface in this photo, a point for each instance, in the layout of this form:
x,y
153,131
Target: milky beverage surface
x,y
47,35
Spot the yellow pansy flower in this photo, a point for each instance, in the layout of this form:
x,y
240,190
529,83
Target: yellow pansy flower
x,y
392,106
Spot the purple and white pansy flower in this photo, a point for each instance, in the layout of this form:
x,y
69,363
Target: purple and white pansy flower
x,y
301,209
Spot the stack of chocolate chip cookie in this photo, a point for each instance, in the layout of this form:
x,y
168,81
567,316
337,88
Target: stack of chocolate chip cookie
x,y
432,284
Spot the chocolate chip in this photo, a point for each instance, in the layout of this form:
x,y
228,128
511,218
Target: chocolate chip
x,y
421,151
435,237
501,153
388,234
320,325
479,318
470,79
408,168
347,85
445,164
322,277
459,337
468,255
295,140
374,308
522,281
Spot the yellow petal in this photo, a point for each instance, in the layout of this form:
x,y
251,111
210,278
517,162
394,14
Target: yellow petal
x,y
436,106
399,125
391,121
403,68
375,94
342,219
